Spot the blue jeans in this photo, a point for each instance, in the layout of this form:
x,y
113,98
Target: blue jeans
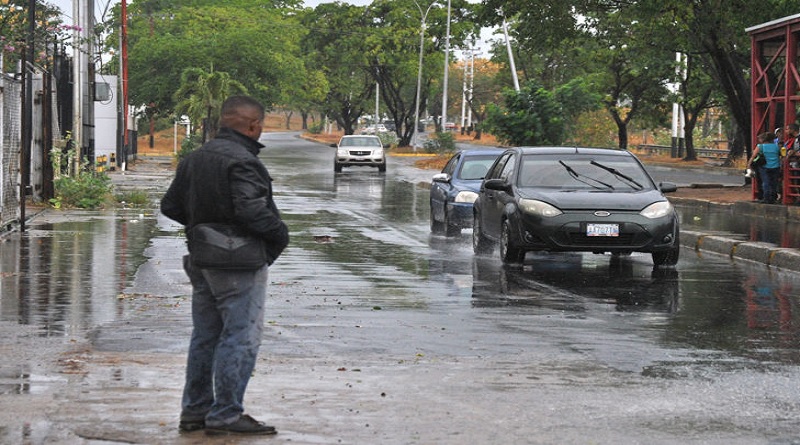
x,y
228,320
770,179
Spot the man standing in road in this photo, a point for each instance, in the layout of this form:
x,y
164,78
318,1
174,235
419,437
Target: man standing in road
x,y
225,182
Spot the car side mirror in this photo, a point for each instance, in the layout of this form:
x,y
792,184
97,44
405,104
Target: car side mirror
x,y
496,184
667,187
441,177
335,145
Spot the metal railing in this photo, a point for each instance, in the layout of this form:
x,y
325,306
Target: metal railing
x,y
666,150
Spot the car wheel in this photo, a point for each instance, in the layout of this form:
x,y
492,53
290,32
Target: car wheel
x,y
508,252
450,230
382,168
437,228
480,244
337,167
668,257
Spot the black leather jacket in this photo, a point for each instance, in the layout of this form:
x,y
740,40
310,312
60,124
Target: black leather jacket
x,y
224,182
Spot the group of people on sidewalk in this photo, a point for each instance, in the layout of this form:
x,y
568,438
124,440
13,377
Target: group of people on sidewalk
x,y
774,152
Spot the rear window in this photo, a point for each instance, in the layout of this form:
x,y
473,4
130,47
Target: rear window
x,y
583,172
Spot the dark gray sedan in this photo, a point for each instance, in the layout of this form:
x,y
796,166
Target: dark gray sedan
x,y
567,199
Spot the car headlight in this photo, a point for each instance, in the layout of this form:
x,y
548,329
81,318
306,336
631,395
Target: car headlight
x,y
657,210
538,208
378,152
341,152
466,196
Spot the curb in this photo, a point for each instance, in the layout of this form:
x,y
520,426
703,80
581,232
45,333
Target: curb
x,y
759,252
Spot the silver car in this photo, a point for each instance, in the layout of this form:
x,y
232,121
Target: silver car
x,y
359,150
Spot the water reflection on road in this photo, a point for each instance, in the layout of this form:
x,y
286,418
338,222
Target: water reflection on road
x,y
778,231
66,274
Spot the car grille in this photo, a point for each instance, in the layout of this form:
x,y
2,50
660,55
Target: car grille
x,y
580,239
360,153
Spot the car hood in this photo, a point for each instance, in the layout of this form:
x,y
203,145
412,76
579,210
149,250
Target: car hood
x,y
473,185
596,200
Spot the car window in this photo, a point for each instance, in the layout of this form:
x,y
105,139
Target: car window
x,y
451,165
360,142
475,167
498,167
508,169
582,172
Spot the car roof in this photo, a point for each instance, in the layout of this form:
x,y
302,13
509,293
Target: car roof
x,y
482,151
572,150
351,136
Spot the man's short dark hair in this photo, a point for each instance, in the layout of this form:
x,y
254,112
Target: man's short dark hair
x,y
234,103
794,127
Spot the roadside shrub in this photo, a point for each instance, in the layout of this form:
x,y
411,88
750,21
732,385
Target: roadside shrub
x,y
441,142
87,190
316,128
133,198
190,144
388,139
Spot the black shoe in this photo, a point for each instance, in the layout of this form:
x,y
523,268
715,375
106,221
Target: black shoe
x,y
245,425
188,426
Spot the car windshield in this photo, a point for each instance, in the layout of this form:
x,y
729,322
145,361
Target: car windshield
x,y
475,167
583,172
360,142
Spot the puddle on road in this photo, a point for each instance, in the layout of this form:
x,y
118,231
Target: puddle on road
x,y
64,275
747,228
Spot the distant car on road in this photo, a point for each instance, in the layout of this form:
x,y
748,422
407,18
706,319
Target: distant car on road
x,y
566,199
359,150
374,129
454,190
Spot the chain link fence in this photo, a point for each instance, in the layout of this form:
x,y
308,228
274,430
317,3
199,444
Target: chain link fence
x,y
10,133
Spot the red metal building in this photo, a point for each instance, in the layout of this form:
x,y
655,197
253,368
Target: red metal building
x,y
775,86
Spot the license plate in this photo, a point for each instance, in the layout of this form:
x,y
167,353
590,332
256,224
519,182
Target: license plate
x,y
602,229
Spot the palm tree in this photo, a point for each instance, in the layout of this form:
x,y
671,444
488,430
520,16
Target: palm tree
x,y
201,94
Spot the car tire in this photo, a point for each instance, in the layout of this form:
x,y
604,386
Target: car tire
x,y
449,229
382,168
668,257
509,253
437,228
480,244
337,167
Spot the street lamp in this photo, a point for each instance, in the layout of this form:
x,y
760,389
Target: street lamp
x,y
423,17
446,69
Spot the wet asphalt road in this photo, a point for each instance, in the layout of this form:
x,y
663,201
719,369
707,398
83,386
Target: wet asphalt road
x,y
378,333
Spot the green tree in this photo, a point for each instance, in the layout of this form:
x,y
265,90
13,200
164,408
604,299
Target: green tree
x,y
201,94
531,116
255,43
336,50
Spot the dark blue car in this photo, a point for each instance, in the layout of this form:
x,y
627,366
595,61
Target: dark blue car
x,y
454,189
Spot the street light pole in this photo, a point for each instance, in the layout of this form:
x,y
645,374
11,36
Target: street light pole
x,y
446,70
423,17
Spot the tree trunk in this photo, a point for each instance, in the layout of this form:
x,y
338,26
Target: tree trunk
x,y
622,128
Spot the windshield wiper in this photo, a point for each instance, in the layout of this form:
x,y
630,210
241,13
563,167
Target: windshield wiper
x,y
577,176
618,174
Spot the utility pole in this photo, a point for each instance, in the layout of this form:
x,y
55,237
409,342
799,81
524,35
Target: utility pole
x,y
446,70
27,124
123,158
423,17
510,56
77,85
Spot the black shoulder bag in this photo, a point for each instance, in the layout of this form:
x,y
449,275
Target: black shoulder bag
x,y
223,246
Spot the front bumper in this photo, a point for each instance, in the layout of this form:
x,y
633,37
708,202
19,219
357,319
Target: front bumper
x,y
568,232
460,214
